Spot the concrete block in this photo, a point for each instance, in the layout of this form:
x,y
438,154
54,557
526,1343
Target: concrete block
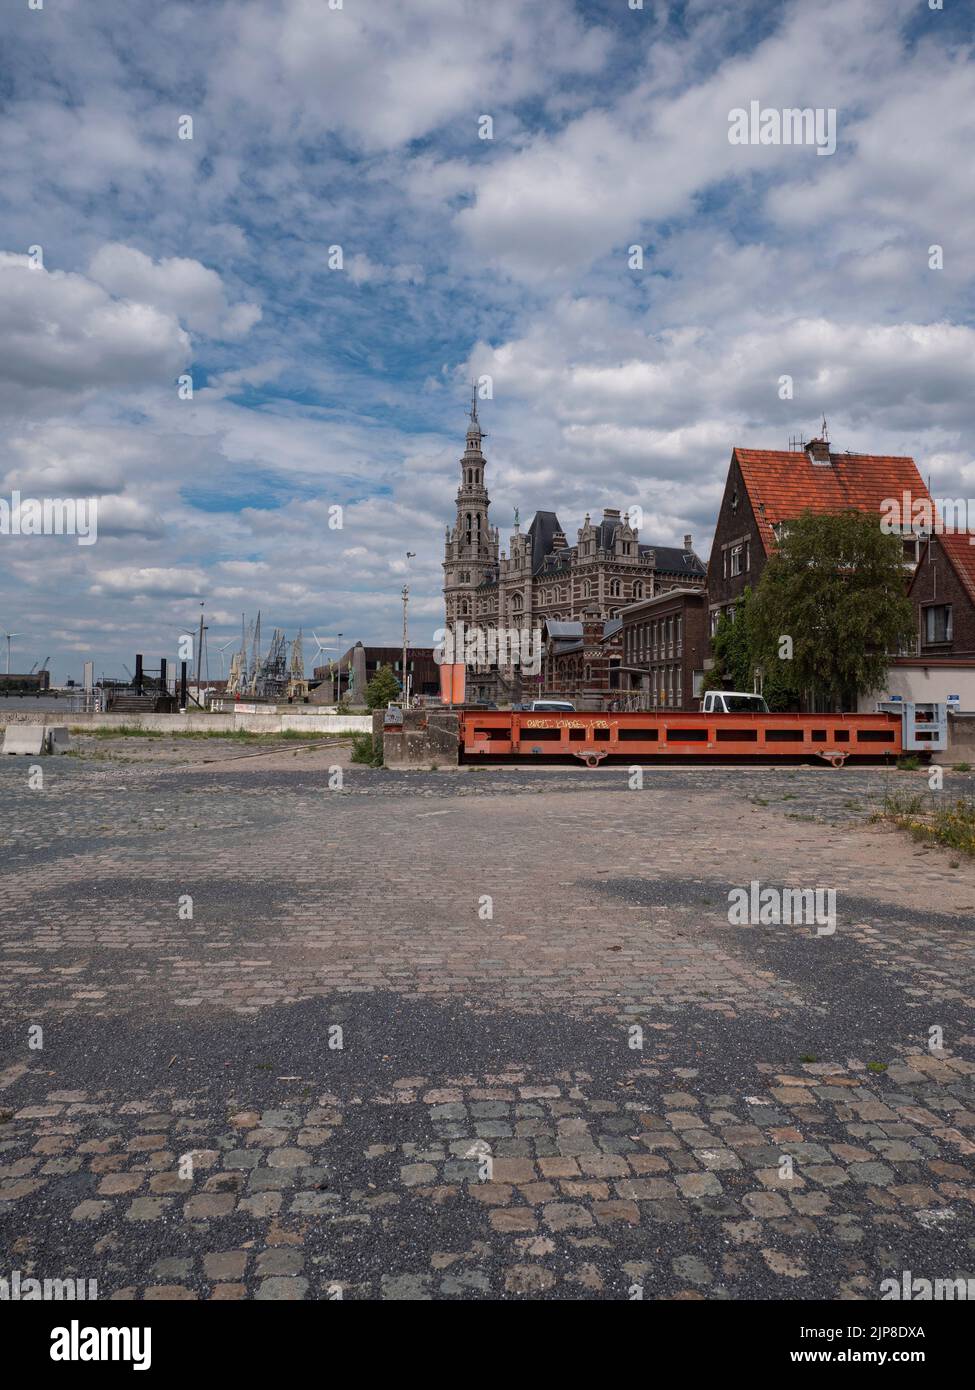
x,y
59,740
427,739
25,738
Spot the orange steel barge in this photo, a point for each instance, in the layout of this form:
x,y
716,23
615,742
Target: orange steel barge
x,y
519,736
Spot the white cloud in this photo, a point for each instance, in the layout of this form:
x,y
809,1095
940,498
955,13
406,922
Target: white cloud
x,y
61,334
384,75
176,285
150,581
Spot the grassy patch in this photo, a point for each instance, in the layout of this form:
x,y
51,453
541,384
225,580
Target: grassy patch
x,y
368,749
908,763
123,731
933,819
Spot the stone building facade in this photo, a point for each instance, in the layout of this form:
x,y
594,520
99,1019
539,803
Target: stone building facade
x,y
543,577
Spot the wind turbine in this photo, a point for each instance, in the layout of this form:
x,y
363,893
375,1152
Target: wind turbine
x,y
9,636
326,646
223,664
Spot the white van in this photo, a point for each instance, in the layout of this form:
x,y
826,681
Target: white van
x,y
552,707
733,702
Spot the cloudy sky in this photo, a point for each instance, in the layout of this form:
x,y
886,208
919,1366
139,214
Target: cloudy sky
x,y
508,257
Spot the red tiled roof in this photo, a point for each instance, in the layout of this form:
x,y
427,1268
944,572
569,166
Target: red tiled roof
x,y
959,546
782,484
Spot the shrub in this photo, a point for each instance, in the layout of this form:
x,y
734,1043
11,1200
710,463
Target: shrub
x,y
368,749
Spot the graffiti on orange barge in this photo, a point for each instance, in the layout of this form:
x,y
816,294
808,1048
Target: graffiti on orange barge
x,y
564,724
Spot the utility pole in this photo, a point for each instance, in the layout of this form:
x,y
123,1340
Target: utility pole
x,y
410,555
199,653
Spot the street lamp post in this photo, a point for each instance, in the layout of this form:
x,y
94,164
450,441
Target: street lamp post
x,y
410,555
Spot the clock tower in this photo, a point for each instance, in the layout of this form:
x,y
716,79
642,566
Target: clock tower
x,y
471,548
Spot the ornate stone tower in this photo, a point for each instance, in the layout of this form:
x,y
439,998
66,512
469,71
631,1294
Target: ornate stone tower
x,y
471,549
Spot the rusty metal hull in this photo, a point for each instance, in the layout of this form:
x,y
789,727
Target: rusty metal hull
x,y
636,737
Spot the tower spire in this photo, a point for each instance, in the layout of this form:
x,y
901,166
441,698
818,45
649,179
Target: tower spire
x,y
474,432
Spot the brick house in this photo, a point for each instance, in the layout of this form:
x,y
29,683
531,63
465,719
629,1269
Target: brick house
x,y
767,488
943,594
665,646
580,660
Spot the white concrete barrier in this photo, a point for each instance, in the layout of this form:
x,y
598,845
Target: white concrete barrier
x,y
199,722
25,738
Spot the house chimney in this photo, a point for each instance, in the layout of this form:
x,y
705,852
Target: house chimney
x,y
818,451
687,543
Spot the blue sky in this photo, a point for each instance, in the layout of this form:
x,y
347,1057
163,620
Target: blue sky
x,y
462,257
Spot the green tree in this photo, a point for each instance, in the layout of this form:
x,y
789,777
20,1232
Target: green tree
x,y
382,688
738,654
836,589
731,649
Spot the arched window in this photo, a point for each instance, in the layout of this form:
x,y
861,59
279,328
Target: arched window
x,y
586,589
638,589
615,588
517,603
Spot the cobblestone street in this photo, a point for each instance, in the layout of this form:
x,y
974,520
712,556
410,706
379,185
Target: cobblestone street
x,y
484,1034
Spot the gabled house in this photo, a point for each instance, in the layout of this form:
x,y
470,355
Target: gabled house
x,y
943,594
768,488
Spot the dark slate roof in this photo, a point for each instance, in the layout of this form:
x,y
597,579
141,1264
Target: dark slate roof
x,y
611,627
604,531
673,560
556,561
542,531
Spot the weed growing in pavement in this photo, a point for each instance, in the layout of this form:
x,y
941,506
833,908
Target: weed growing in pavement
x,y
931,819
368,749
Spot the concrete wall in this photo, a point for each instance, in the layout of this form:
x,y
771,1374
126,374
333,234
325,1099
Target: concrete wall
x,y
925,683
197,722
961,738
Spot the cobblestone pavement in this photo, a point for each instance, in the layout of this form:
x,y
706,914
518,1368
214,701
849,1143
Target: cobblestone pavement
x,y
348,1073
